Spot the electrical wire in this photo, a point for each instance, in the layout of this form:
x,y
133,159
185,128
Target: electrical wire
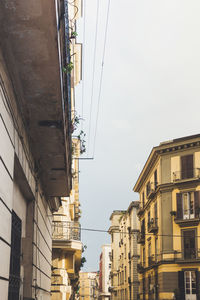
x,y
101,77
93,73
121,232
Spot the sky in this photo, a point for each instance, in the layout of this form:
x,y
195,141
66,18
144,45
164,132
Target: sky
x,y
150,93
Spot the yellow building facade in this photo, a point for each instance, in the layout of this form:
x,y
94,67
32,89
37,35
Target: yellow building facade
x,y
88,282
67,245
169,188
124,253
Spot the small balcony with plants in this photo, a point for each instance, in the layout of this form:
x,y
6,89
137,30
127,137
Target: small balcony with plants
x,y
151,188
141,237
153,225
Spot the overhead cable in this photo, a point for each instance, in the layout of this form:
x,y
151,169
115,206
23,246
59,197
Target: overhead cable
x,y
101,77
93,72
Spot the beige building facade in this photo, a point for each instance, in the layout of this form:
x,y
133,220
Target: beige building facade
x,y
169,188
104,272
67,245
88,282
124,253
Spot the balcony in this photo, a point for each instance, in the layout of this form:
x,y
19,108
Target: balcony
x,y
153,226
151,189
34,59
140,268
66,231
186,221
183,176
182,257
67,235
141,238
140,211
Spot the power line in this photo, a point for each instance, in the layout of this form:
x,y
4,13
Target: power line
x,y
93,72
101,77
122,232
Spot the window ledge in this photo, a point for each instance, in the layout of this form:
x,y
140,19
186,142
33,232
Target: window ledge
x,y
187,222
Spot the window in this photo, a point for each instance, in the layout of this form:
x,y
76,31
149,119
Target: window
x,y
155,180
149,285
156,248
149,250
187,282
155,214
189,244
143,199
187,166
188,205
143,228
148,188
14,277
144,287
190,282
149,219
144,256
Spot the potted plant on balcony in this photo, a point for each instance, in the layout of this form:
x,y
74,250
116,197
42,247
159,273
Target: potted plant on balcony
x,y
173,213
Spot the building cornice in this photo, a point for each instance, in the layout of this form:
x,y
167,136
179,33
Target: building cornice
x,y
174,146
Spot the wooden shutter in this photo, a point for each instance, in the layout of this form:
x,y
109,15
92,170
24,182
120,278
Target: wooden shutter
x,y
155,213
179,206
196,203
181,284
186,166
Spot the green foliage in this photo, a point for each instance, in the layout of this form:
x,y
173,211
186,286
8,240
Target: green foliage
x,y
69,67
84,248
73,35
83,260
81,137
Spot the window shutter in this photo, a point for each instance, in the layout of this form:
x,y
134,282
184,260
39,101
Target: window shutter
x,y
197,284
155,213
187,166
181,284
196,203
179,206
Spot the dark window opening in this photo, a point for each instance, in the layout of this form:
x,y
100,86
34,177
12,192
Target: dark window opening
x,y
189,244
14,277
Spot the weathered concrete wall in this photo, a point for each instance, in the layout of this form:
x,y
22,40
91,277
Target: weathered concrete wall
x,y
20,192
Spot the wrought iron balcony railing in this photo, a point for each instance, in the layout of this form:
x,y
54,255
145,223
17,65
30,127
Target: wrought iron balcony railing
x,y
187,174
66,231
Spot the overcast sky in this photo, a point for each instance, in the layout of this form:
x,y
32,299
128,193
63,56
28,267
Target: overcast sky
x,y
150,93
